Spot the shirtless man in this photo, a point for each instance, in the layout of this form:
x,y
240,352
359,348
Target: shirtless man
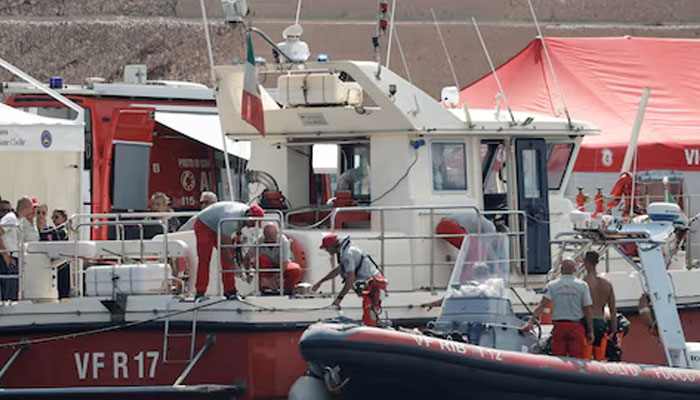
x,y
603,295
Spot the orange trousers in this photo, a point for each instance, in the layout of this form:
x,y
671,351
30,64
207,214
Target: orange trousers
x,y
371,300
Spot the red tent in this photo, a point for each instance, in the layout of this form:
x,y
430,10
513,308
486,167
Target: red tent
x,y
602,80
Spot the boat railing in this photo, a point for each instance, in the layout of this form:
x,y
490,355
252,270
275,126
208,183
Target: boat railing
x,y
253,247
319,220
78,278
433,212
577,245
20,257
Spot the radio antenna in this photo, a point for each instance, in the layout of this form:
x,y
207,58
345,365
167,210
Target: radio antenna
x,y
549,61
391,33
493,70
444,48
452,69
296,20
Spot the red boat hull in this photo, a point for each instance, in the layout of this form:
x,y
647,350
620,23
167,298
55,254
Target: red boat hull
x,y
267,361
266,358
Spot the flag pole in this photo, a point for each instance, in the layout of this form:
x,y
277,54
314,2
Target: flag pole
x,y
213,84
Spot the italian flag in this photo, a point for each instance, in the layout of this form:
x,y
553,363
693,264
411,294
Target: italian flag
x,y
252,110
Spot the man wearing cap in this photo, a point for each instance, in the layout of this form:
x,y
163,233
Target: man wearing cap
x,y
205,228
359,272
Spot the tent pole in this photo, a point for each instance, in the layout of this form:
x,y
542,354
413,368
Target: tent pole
x,y
62,99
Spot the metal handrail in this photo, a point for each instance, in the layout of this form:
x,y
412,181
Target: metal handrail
x,y
432,213
121,224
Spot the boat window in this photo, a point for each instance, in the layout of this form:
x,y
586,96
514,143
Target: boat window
x,y
558,156
494,172
531,176
449,166
355,166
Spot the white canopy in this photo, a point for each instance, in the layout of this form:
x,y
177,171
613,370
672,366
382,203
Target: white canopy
x,y
204,128
23,131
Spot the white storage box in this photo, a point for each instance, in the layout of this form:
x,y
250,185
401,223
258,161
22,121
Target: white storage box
x,y
317,89
663,211
129,279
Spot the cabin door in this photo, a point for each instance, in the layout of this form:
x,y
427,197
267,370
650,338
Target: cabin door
x,y
533,199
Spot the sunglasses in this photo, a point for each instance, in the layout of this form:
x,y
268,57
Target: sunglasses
x,y
41,212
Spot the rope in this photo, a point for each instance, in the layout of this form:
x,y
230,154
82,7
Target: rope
x,y
107,328
256,308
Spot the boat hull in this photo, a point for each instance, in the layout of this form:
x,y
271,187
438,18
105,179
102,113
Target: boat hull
x,y
385,364
265,359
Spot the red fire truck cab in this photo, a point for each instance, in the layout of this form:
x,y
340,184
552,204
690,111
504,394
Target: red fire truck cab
x,y
141,138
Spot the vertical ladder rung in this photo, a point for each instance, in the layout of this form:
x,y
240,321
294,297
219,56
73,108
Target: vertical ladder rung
x,y
192,334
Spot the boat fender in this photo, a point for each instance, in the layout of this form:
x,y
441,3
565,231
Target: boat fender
x,y
309,387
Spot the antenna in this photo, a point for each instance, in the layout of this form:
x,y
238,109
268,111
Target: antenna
x,y
549,61
444,48
206,34
391,34
296,20
403,57
449,62
493,71
213,80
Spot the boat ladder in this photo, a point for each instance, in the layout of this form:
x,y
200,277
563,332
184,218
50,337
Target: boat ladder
x,y
169,335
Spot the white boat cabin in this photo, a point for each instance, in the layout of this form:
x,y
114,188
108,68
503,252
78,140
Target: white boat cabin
x,y
343,129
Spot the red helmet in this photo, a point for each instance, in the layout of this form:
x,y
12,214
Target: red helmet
x,y
256,211
329,240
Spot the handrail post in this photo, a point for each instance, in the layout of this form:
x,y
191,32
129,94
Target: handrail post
x,y
432,250
381,240
20,264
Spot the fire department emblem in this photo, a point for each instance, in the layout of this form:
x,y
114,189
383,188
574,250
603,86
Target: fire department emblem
x,y
46,139
187,180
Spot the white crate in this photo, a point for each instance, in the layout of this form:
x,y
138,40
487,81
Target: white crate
x,y
130,279
317,89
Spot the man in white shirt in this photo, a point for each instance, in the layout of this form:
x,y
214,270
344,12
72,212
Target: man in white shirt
x,y
11,237
571,302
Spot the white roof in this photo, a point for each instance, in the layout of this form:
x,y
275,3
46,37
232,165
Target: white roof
x,y
201,124
23,131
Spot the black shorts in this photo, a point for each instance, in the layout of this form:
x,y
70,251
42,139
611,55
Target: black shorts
x,y
600,328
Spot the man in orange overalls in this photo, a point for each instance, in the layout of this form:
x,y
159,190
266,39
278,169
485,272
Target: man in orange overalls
x,y
359,272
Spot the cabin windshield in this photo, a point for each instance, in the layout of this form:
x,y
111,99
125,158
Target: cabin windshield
x,y
482,268
558,157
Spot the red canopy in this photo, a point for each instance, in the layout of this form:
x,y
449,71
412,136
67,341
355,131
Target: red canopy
x,y
602,80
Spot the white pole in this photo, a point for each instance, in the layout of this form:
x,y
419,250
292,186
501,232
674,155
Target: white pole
x,y
444,48
296,20
213,83
59,97
632,146
549,61
206,34
493,70
391,34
